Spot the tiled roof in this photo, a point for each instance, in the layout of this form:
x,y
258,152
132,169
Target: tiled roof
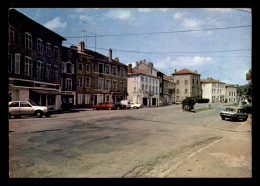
x,y
168,77
210,80
184,71
139,71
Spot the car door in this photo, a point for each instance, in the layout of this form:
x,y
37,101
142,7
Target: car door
x,y
14,108
26,108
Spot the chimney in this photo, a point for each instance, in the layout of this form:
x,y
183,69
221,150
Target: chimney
x,y
110,55
195,71
81,46
117,59
136,64
175,70
130,70
144,61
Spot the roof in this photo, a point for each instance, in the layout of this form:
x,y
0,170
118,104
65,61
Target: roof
x,y
210,80
137,71
168,77
184,71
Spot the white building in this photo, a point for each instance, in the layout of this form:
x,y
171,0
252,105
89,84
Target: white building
x,y
213,90
231,94
143,87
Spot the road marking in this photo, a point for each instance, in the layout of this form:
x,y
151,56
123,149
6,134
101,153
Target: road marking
x,y
165,173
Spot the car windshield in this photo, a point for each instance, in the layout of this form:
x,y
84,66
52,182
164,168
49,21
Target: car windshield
x,y
33,103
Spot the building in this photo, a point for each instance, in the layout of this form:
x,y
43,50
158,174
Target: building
x,y
143,87
213,90
187,84
231,94
99,78
68,77
34,61
150,70
168,90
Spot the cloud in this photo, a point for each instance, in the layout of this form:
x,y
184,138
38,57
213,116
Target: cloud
x,y
85,18
178,15
192,23
145,9
55,23
118,14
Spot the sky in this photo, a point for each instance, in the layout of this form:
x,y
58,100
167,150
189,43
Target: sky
x,y
216,42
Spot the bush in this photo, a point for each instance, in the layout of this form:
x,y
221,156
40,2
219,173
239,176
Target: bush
x,y
247,108
203,100
188,103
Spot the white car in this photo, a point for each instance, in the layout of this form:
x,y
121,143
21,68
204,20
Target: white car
x,y
18,108
135,105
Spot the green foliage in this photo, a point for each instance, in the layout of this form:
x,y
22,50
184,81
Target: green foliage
x,y
188,103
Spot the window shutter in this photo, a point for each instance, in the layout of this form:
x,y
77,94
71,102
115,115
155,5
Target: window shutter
x,y
72,68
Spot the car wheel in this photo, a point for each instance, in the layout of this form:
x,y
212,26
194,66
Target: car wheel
x,y
38,114
109,108
244,119
223,118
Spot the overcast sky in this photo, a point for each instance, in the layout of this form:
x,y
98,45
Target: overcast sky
x,y
215,42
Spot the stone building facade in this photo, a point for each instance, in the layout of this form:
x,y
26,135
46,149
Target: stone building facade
x,y
187,84
34,61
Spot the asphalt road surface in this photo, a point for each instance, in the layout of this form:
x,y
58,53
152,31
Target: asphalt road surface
x,y
147,142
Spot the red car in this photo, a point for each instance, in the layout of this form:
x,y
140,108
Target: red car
x,y
104,105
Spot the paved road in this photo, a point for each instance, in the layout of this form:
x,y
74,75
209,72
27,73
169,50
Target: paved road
x,y
148,142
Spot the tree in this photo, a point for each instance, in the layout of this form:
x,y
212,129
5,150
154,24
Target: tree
x,y
188,103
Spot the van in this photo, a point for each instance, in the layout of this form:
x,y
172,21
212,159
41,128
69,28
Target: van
x,y
125,104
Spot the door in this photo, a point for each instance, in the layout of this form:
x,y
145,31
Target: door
x,y
145,101
26,108
14,108
95,99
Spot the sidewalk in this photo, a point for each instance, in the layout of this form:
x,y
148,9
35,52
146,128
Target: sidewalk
x,y
229,157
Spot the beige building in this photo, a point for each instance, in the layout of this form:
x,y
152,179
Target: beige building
x,y
231,94
187,84
213,90
168,90
142,87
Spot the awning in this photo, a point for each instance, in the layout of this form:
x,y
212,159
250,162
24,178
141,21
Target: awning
x,y
48,92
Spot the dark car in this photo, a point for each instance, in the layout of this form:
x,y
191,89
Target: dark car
x,y
105,105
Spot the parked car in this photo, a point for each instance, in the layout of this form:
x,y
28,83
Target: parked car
x,y
135,105
19,108
123,104
104,105
235,113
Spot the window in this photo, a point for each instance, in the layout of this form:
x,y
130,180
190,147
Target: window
x,y
146,80
142,79
48,70
88,81
39,46
146,87
114,70
14,104
68,68
28,40
48,49
68,84
121,86
28,66
156,90
142,87
39,70
17,63
108,84
186,82
114,86
11,34
149,88
178,90
100,83
80,81
87,68
56,73
150,80
80,66
178,82
121,72
69,55
100,67
153,89
64,67
56,52
107,69
186,91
